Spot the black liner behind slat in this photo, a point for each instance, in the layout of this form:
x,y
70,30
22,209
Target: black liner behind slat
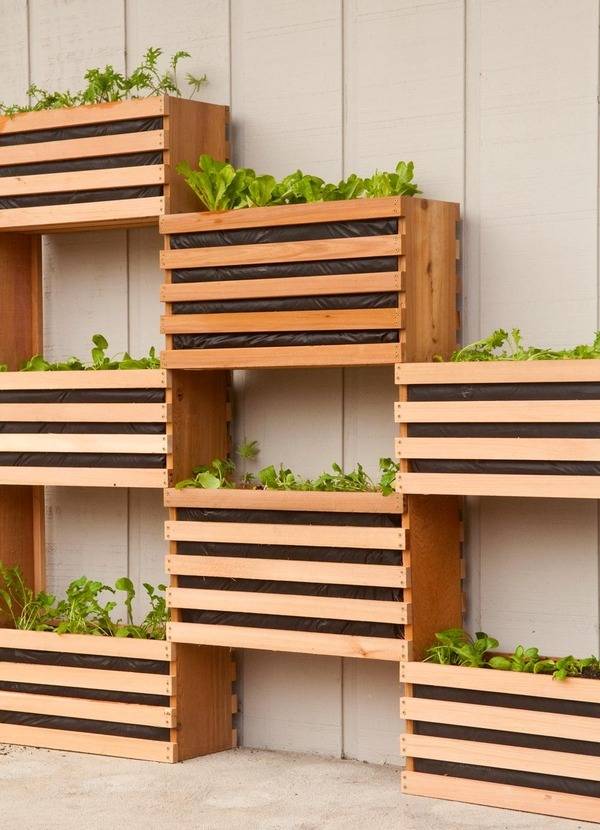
x,y
532,468
38,657
318,268
531,430
130,125
86,694
286,233
95,727
288,517
78,165
314,303
32,427
146,461
580,391
81,395
292,338
306,589
78,197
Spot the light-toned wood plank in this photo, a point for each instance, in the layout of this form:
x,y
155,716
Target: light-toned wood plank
x,y
534,449
526,721
73,707
391,538
524,799
108,413
79,678
149,174
307,251
336,573
281,287
280,357
117,746
337,645
496,756
289,605
47,442
501,412
487,680
484,484
375,318
283,215
84,477
499,371
76,148
88,114
102,379
118,213
86,644
285,500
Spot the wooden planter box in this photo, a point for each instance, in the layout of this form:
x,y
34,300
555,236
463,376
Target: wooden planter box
x,y
142,699
503,739
320,573
89,429
500,428
103,165
366,281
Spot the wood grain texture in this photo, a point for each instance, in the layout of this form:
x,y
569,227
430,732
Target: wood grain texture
x,y
84,477
100,379
88,114
72,148
86,644
285,500
484,484
150,174
499,371
79,678
349,320
533,449
122,213
501,412
282,357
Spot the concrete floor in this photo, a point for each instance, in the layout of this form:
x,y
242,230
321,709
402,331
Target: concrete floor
x,y
249,789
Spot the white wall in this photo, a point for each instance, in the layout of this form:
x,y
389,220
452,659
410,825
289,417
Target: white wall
x,y
496,102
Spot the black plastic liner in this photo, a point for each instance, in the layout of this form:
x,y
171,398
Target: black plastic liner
x,y
82,396
286,233
288,517
98,727
288,338
280,623
77,165
318,268
131,125
315,303
83,661
150,461
533,468
588,391
308,589
87,694
504,430
77,197
72,428
539,781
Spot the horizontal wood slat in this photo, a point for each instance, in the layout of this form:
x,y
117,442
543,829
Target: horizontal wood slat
x,y
484,484
107,413
289,605
114,213
347,319
85,644
341,211
501,412
525,799
80,678
285,500
526,721
71,443
306,251
73,707
497,756
391,538
76,148
84,477
534,449
304,642
499,371
88,114
101,379
149,174
376,354
281,287
335,573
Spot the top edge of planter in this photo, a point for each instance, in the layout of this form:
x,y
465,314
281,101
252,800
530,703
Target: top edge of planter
x,y
499,371
86,644
91,379
284,500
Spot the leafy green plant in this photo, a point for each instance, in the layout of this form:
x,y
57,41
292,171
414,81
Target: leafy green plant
x,y
522,660
398,183
99,360
502,345
211,476
26,609
81,612
105,85
154,624
456,647
387,480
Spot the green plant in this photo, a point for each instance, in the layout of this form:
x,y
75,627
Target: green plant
x,y
387,480
153,626
81,612
502,345
398,183
27,610
456,647
217,184
99,360
522,660
211,476
104,85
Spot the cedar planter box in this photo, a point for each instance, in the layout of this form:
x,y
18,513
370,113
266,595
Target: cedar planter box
x,y
321,573
103,165
365,281
143,699
503,739
501,428
89,428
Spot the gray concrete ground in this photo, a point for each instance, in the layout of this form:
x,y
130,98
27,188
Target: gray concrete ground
x,y
248,789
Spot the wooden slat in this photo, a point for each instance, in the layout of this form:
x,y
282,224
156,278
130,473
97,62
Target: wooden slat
x,y
307,251
336,573
391,538
148,174
101,379
304,642
107,413
114,213
488,680
500,412
87,114
136,748
84,477
496,756
347,319
283,215
289,605
80,678
102,443
77,148
513,449
525,799
525,721
484,484
285,500
499,371
73,707
86,644
281,287
373,354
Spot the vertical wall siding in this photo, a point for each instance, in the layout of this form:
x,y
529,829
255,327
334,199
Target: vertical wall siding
x,y
496,102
